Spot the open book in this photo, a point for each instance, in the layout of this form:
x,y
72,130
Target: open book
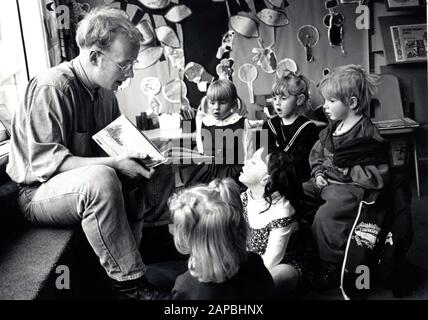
x,y
121,135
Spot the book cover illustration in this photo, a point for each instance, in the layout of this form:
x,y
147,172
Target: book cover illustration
x,y
121,135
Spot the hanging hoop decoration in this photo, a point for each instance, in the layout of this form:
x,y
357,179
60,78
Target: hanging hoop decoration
x,y
174,90
265,57
244,26
151,86
308,37
285,65
155,4
178,13
248,73
148,57
273,18
166,35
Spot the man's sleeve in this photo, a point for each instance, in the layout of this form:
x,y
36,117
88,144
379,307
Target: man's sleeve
x,y
49,128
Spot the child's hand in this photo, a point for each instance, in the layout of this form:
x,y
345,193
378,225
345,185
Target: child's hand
x,y
321,182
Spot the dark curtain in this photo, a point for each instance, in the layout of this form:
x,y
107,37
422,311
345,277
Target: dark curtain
x,y
202,34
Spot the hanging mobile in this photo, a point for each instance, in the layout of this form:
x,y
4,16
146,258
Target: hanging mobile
x,y
265,57
334,22
308,37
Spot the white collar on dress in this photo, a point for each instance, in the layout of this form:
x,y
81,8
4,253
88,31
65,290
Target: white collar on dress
x,y
209,120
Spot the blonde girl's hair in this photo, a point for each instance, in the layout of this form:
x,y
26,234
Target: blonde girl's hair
x,y
292,84
229,191
211,231
350,81
223,90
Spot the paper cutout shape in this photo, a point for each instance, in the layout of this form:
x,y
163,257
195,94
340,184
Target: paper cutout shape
x,y
334,22
244,26
226,44
265,57
166,35
276,3
155,104
196,73
145,27
151,86
308,37
224,69
248,73
273,18
285,65
156,4
148,57
175,56
178,13
174,90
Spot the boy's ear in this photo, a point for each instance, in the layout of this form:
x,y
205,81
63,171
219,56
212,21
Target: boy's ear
x,y
300,99
353,103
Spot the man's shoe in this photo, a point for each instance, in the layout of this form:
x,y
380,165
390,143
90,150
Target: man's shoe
x,y
138,289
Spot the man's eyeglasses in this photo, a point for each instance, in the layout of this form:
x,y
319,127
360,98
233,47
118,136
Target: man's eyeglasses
x,y
123,69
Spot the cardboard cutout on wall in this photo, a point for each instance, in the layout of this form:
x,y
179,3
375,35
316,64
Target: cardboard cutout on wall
x,y
178,13
273,18
245,26
248,73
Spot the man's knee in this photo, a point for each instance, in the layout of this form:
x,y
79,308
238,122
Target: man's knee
x,y
102,180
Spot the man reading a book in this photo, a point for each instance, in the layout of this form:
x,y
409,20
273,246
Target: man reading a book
x,y
64,178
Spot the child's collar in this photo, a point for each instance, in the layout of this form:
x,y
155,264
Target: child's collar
x,y
209,120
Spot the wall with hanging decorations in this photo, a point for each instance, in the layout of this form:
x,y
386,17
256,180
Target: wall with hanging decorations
x,y
249,41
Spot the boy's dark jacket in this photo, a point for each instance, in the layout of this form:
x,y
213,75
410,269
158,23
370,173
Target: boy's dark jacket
x,y
380,238
361,152
382,232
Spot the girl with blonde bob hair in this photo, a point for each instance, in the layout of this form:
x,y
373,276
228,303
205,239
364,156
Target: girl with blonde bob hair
x,y
222,133
213,233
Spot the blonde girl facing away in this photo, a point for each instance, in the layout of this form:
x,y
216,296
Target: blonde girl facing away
x,y
213,233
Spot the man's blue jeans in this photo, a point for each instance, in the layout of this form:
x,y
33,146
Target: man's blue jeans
x,y
91,196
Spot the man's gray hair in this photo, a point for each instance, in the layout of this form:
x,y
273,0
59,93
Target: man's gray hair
x,y
101,26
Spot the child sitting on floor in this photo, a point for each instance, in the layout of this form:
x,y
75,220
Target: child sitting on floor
x,y
213,233
270,206
349,160
289,131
